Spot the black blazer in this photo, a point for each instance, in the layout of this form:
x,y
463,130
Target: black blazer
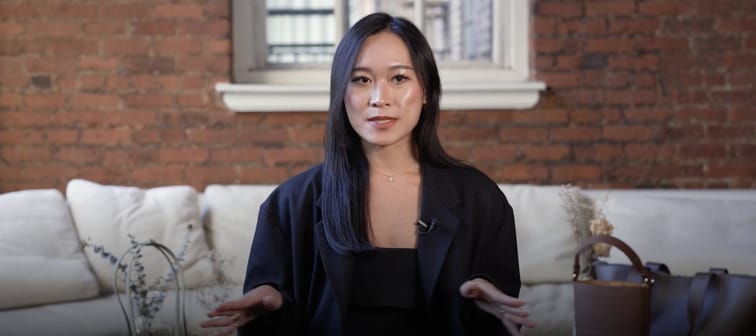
x,y
473,235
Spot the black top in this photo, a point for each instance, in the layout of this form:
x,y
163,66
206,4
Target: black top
x,y
385,297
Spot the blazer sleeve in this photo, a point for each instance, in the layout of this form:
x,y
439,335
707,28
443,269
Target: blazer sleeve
x,y
495,257
270,263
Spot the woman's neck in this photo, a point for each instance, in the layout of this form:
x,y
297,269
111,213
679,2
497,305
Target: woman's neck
x,y
393,161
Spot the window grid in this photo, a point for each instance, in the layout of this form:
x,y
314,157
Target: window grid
x,y
304,32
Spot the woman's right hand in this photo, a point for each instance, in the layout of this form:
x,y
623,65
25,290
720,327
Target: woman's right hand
x,y
233,314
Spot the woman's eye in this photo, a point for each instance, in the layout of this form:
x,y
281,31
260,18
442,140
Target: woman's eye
x,y
399,78
360,80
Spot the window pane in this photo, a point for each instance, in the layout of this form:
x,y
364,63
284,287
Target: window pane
x,y
360,8
457,30
300,31
461,31
303,31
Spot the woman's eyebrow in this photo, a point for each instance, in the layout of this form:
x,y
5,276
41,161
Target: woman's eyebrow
x,y
393,67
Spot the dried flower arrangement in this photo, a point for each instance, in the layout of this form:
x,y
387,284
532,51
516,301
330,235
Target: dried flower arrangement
x,y
211,296
600,225
146,299
586,218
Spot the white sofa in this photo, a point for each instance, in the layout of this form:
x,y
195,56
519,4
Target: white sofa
x,y
52,285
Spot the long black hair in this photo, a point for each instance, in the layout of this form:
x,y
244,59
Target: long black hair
x,y
345,168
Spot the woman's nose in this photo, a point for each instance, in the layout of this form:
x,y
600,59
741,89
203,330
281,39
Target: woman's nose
x,y
377,97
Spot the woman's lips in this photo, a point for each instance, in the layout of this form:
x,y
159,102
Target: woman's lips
x,y
382,122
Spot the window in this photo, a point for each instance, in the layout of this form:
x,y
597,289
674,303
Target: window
x,y
282,51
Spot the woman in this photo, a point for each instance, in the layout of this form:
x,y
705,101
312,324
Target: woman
x,y
389,235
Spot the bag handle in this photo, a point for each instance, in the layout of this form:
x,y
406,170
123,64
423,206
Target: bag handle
x,y
697,293
696,296
657,267
601,238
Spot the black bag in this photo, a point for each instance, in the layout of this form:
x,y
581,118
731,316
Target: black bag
x,y
710,303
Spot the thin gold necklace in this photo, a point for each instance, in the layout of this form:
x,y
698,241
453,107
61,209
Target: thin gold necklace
x,y
389,178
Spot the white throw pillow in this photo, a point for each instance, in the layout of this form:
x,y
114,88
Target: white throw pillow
x,y
107,215
689,234
41,259
546,242
231,220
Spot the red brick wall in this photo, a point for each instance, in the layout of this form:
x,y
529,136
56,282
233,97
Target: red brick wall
x,y
655,93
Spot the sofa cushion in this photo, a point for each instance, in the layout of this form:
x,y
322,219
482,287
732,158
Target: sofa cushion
x,y
688,233
107,215
231,217
103,316
546,241
41,259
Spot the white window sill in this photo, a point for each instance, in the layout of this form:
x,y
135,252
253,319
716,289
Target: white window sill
x,y
313,98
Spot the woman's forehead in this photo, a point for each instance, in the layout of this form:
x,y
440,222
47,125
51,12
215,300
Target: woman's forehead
x,y
384,50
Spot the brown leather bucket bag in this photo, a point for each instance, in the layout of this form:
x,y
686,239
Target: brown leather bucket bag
x,y
612,307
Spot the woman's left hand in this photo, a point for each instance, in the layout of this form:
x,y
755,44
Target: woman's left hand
x,y
490,299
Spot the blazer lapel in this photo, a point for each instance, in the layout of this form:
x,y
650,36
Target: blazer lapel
x,y
436,210
338,267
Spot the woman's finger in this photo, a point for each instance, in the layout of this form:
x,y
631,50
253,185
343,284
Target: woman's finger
x,y
511,328
263,298
500,310
490,299
482,289
225,331
244,320
272,302
230,307
513,310
516,320
225,321
217,313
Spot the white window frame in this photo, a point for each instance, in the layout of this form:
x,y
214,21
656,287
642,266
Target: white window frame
x,y
501,86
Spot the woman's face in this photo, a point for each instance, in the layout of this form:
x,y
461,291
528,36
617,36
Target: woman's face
x,y
384,97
